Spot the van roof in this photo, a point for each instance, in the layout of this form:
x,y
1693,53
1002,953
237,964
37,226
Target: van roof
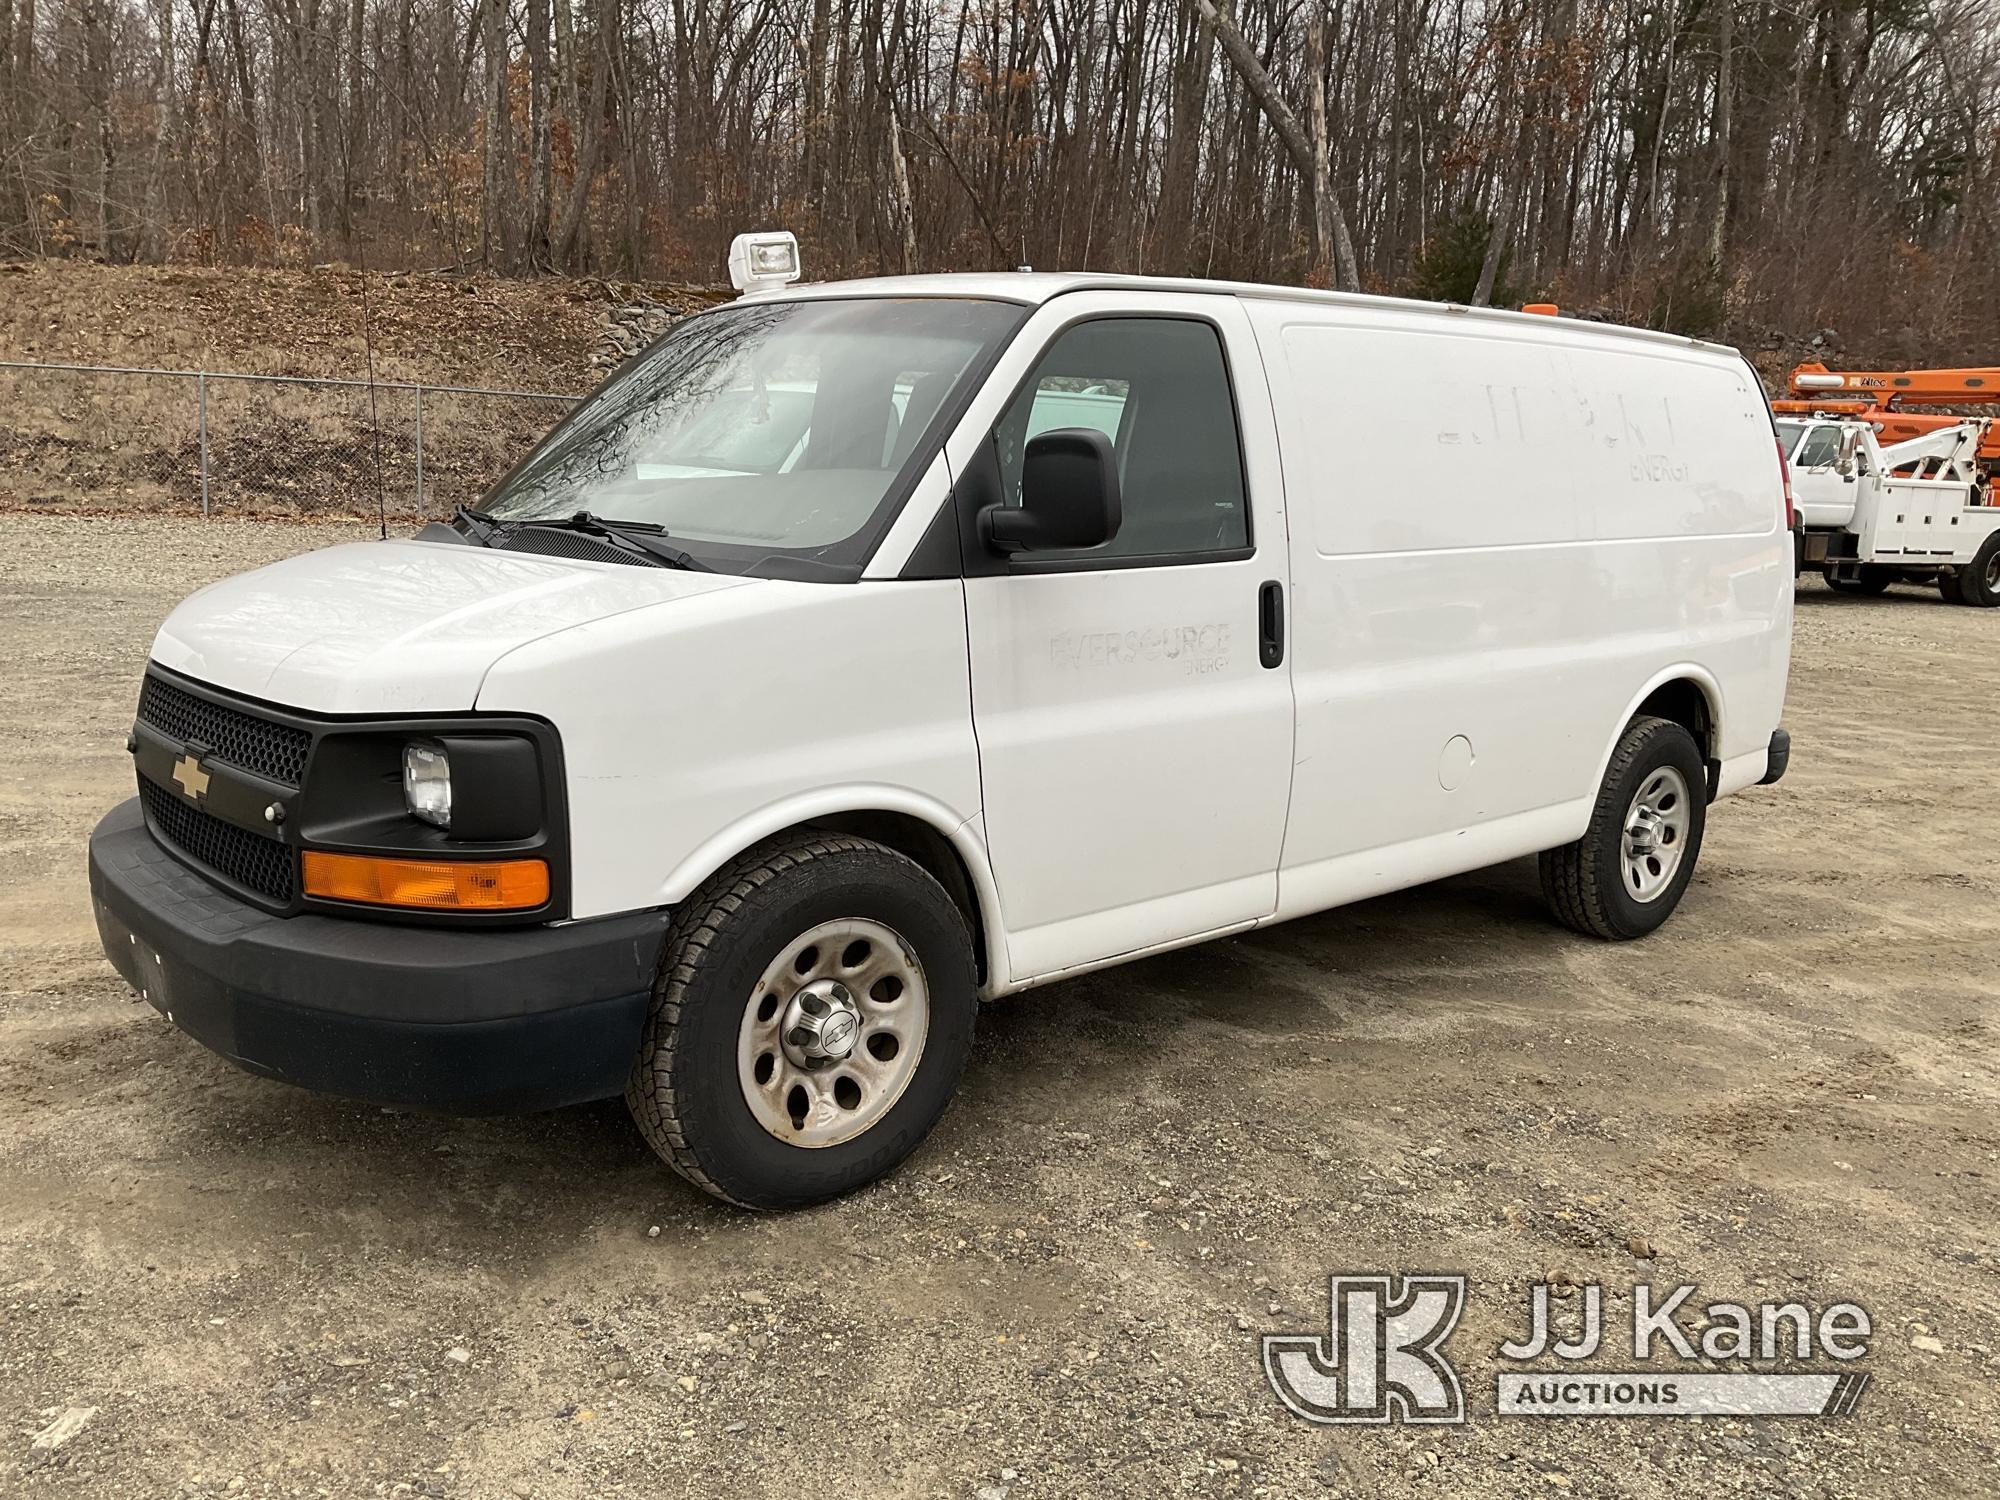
x,y
1037,287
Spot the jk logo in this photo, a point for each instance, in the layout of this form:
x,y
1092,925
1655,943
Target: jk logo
x,y
1382,1359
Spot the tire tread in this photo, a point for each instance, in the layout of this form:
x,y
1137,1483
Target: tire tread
x,y
1568,883
698,923
1971,576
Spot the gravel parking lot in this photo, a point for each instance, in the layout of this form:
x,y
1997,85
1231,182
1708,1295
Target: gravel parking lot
x,y
1788,1092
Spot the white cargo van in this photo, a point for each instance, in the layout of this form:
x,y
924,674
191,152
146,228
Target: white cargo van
x,y
863,651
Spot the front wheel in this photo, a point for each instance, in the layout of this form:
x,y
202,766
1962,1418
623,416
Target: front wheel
x,y
1627,873
812,1017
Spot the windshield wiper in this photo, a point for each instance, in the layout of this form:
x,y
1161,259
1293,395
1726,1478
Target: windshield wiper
x,y
480,527
634,536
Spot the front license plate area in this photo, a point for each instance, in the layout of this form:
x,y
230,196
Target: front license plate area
x,y
137,964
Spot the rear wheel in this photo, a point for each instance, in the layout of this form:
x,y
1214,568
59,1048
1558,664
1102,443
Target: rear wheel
x,y
1872,579
811,1020
1979,580
1627,873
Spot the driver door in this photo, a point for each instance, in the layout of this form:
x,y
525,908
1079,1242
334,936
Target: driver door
x,y
1822,492
1133,714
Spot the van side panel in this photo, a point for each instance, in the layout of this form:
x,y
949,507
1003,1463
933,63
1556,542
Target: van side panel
x,y
1502,533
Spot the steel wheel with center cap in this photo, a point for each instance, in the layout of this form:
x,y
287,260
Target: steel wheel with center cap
x,y
1656,833
1628,871
835,1033
812,1017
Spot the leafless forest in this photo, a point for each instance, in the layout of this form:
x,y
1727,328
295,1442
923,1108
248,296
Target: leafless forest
x,y
1702,165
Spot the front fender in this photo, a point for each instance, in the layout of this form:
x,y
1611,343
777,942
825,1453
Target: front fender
x,y
965,835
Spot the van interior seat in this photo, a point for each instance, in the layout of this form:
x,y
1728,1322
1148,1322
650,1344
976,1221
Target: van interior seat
x,y
1183,482
925,397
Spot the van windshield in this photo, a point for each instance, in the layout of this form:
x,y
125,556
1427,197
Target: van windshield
x,y
764,433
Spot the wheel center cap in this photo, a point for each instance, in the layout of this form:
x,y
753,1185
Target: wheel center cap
x,y
822,1023
836,1036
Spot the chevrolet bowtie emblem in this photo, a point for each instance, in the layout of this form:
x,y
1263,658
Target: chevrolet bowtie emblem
x,y
191,778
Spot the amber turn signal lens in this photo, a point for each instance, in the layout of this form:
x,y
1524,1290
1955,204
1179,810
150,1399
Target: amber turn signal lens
x,y
469,885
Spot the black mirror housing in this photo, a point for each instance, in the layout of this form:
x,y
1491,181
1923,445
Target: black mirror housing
x,y
1069,495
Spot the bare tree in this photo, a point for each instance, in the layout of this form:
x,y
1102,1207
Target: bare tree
x,y
1708,165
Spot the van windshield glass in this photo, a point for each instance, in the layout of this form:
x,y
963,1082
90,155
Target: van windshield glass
x,y
765,432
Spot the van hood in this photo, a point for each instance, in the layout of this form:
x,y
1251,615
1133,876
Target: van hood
x,y
396,626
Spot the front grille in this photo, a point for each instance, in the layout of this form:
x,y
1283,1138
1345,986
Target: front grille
x,y
548,543
274,751
253,862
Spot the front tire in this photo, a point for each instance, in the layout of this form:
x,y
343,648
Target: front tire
x,y
810,1023
1627,873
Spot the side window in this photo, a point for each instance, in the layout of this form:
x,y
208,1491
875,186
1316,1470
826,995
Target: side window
x,y
1159,389
1822,448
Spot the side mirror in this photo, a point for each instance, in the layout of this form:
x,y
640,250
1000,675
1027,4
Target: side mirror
x,y
1850,444
1069,495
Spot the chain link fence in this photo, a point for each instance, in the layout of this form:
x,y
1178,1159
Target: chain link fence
x,y
101,437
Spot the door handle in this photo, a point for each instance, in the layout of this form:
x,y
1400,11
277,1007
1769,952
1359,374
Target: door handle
x,y
1271,623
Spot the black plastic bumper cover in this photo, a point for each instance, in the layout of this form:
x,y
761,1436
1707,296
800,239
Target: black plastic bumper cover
x,y
1781,756
463,1021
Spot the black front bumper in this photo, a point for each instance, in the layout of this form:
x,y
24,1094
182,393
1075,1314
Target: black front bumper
x,y
464,1021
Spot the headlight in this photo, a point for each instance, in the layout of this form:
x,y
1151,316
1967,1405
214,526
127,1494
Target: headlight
x,y
427,782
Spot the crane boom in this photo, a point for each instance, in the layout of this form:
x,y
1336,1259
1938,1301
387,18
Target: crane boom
x,y
1877,396
1972,386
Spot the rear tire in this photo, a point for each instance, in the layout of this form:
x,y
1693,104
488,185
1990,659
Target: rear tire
x,y
1627,873
1979,580
1874,579
811,1019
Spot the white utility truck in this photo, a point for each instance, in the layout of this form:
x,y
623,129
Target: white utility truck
x,y
863,651
1917,511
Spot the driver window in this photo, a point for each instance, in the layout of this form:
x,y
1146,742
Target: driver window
x,y
1821,449
1159,389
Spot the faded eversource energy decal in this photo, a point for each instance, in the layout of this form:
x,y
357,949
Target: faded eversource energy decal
x,y
1195,649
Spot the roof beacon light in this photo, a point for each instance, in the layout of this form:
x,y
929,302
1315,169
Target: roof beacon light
x,y
759,262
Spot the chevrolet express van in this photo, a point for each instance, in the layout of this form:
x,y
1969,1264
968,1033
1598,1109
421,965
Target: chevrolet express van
x,y
864,651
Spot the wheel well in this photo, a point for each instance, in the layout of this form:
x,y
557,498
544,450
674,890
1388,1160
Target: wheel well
x,y
917,840
1683,702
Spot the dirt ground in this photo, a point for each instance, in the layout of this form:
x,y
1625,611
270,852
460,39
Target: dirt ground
x,y
1788,1092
